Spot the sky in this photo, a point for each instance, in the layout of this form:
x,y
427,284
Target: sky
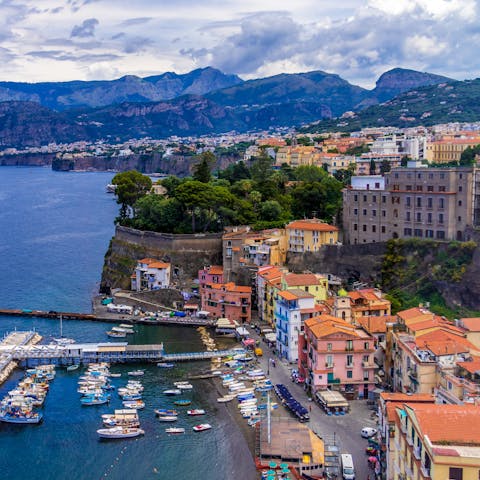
x,y
59,40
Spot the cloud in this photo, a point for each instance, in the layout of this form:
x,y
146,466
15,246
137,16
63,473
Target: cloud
x,y
76,5
86,29
135,21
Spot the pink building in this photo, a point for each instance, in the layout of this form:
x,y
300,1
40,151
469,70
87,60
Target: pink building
x,y
227,300
334,354
210,274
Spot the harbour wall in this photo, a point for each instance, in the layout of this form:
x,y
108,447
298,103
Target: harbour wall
x,y
187,254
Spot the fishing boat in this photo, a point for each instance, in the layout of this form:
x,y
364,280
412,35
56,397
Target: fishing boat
x,y
95,399
131,397
172,391
202,427
165,365
120,432
136,373
182,403
197,411
72,368
115,375
135,404
121,418
126,325
175,430
167,418
113,334
165,411
128,331
14,414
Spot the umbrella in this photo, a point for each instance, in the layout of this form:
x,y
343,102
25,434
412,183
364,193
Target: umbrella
x,y
272,465
284,465
285,470
271,472
372,459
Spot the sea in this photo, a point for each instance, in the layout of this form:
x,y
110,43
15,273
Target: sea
x,y
55,228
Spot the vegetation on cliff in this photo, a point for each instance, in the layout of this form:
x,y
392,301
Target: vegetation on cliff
x,y
413,270
257,195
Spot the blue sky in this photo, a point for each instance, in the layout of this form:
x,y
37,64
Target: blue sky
x,y
53,40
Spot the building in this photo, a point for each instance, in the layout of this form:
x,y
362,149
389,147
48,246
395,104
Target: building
x,y
292,307
378,162
312,283
310,235
227,300
432,203
268,283
436,442
333,162
333,353
449,150
210,274
150,274
269,247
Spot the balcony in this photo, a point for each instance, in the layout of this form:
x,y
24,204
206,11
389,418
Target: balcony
x,y
332,381
417,452
328,365
349,365
425,471
410,440
368,364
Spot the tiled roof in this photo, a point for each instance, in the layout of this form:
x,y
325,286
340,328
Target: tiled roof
x,y
325,325
471,324
159,265
148,260
312,225
404,397
300,279
463,423
471,367
441,342
287,295
215,270
230,287
415,313
376,324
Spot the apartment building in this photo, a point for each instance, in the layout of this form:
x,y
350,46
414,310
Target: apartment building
x,y
210,274
434,441
449,150
310,235
150,274
432,203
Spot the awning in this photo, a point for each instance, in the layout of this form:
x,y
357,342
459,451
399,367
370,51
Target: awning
x,y
270,337
203,313
242,331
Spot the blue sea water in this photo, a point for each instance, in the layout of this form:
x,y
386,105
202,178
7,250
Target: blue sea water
x,y
54,231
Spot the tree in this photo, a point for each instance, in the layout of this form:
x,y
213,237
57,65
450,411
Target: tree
x,y
270,210
310,173
131,186
468,156
202,169
404,161
385,166
373,167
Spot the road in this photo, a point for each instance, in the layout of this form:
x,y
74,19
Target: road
x,y
344,429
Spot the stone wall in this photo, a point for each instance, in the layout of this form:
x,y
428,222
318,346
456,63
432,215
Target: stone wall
x,y
186,253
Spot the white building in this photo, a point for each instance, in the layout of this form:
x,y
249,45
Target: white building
x,y
292,307
150,274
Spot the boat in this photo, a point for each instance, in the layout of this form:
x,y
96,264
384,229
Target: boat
x,y
131,397
110,188
165,411
121,418
120,432
202,427
172,391
13,415
72,368
185,386
122,330
115,375
165,365
167,418
182,403
197,411
113,334
95,400
135,404
136,373
175,430
226,398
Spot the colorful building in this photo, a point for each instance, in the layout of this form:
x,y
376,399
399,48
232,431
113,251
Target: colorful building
x,y
210,274
312,283
150,274
310,235
227,300
268,283
335,354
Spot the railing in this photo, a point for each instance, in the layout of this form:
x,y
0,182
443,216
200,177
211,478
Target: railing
x,y
425,471
417,452
410,440
368,364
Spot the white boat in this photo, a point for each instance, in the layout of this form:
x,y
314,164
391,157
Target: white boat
x,y
120,432
185,386
165,365
135,404
175,430
113,334
172,391
115,375
71,368
167,418
195,412
225,399
122,330
110,188
136,373
202,427
126,325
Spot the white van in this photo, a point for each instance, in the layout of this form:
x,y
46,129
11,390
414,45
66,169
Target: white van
x,y
348,472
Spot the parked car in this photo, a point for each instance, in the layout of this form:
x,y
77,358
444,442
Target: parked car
x,y
368,432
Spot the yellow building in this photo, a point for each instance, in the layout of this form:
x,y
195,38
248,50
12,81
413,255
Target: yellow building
x,y
445,151
315,284
296,156
268,247
309,235
434,441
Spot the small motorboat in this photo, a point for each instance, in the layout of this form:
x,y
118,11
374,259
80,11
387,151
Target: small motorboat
x,y
182,403
175,430
72,368
129,326
120,432
172,391
167,418
113,334
165,365
136,373
165,411
115,375
202,427
131,396
135,404
184,386
197,411
95,400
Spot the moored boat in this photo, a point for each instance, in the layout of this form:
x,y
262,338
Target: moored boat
x,y
167,418
165,411
197,411
172,391
120,432
202,427
136,373
136,404
175,430
165,365
113,334
182,403
72,368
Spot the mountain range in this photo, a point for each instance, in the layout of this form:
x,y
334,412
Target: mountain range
x,y
203,101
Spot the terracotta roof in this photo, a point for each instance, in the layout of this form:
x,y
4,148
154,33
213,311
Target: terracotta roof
x,y
471,367
230,287
415,313
404,397
326,325
215,270
471,324
148,260
287,295
312,225
376,324
159,265
441,342
300,279
463,423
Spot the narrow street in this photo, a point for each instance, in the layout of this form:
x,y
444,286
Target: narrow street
x,y
344,429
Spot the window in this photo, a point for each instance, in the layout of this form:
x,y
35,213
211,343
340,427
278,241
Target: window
x,y
349,361
349,346
374,228
384,213
460,188
383,229
329,360
419,202
442,188
407,201
440,218
377,184
374,213
459,203
430,176
441,203
355,198
364,211
364,228
430,188
355,211
429,217
455,473
366,347
329,347
429,233
429,202
419,188
384,199
407,232
374,199
349,374
459,219
366,358
407,218
355,227
419,217
442,176
364,198
419,176
440,234
418,232
409,188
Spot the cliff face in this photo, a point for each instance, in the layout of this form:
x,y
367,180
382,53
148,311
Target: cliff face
x,y
186,253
